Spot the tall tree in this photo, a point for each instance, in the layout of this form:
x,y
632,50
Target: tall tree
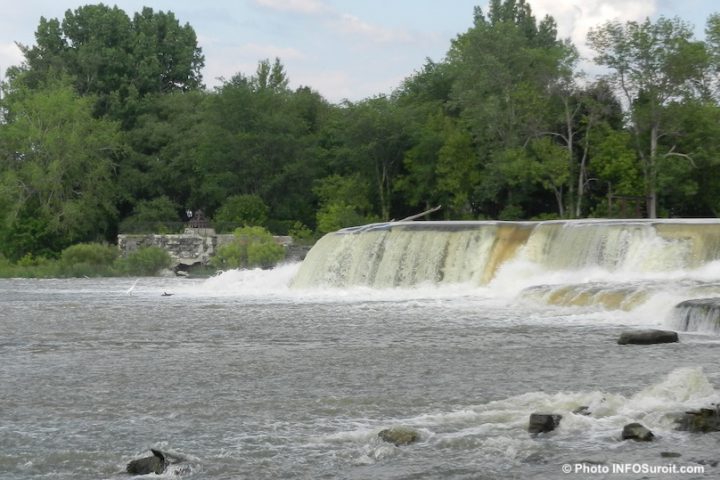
x,y
652,64
507,66
56,173
113,57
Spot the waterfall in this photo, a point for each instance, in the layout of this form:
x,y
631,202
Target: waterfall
x,y
403,254
697,315
643,266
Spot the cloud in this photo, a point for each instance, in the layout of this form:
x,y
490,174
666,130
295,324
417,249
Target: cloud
x,y
576,18
308,7
225,62
343,23
10,55
338,85
260,51
350,24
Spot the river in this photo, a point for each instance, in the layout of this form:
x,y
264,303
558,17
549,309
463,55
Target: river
x,y
243,377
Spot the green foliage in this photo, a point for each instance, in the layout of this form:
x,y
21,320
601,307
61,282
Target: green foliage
x,y
87,260
95,254
239,210
654,65
144,261
300,233
158,215
252,247
335,216
343,203
105,127
113,57
59,170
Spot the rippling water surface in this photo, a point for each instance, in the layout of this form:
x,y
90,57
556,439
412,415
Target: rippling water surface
x,y
242,377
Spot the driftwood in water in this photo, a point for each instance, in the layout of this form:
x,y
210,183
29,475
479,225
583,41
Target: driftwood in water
x,y
418,215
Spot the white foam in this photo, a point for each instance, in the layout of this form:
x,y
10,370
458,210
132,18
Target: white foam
x,y
500,427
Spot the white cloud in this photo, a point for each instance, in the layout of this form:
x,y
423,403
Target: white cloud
x,y
343,23
350,24
260,51
10,55
576,18
312,7
225,62
338,85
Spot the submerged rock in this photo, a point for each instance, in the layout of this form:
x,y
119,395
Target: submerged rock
x,y
703,420
647,337
637,432
582,410
399,436
543,422
143,466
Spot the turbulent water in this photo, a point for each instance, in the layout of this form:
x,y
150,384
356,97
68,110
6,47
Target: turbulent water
x,y
292,372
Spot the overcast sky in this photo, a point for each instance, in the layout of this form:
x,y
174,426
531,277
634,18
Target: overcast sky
x,y
342,48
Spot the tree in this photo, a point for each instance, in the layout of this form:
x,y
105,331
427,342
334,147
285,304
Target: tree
x,y
652,66
117,59
507,66
373,142
56,174
343,202
242,210
251,247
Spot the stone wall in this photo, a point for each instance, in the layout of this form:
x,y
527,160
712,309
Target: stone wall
x,y
194,247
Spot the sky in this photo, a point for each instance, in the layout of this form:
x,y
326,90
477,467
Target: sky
x,y
344,49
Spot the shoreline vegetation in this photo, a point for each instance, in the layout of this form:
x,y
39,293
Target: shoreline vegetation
x,y
252,247
107,128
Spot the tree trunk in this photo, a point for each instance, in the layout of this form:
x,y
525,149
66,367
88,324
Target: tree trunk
x,y
652,174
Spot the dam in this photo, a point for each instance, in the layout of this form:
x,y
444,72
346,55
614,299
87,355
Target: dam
x,y
609,264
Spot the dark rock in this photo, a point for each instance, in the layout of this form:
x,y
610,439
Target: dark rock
x,y
647,337
143,466
543,422
703,420
670,455
584,410
399,436
636,431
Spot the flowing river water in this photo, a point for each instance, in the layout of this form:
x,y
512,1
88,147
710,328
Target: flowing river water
x,y
252,375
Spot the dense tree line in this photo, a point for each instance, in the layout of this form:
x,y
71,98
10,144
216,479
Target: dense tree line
x,y
107,127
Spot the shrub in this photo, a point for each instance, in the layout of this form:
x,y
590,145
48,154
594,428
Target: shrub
x,y
144,261
241,210
87,260
300,233
335,216
252,247
159,215
91,253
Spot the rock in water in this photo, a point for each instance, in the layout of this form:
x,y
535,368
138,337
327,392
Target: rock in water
x,y
636,431
543,422
701,421
399,436
146,465
647,337
583,410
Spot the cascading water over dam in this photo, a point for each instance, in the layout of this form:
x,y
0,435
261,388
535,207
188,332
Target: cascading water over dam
x,y
611,264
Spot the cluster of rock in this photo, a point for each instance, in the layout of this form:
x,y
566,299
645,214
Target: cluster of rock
x,y
703,420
